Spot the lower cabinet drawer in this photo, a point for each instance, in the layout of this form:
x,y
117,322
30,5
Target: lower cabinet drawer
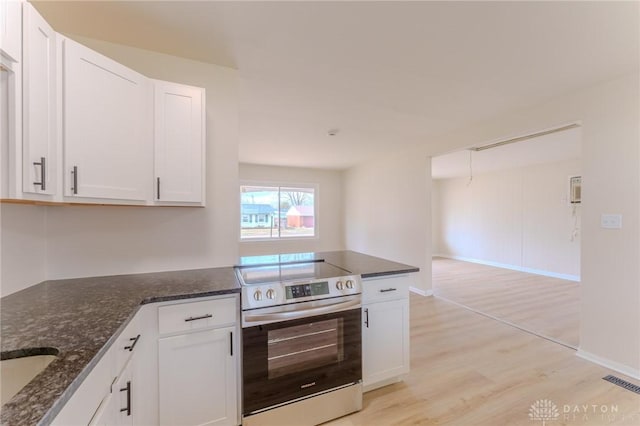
x,y
196,315
392,287
125,344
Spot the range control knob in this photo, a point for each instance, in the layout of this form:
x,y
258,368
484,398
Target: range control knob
x,y
339,285
349,284
257,295
271,294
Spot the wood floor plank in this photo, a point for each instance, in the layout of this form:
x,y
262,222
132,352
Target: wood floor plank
x,y
467,369
544,305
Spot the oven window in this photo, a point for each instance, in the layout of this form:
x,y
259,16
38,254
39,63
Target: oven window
x,y
304,347
286,360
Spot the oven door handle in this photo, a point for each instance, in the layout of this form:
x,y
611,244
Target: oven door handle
x,y
279,316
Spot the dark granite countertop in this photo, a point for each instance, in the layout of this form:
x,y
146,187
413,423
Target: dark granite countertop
x,y
78,319
357,263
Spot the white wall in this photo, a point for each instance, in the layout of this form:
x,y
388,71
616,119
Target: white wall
x,y
100,240
610,271
329,222
23,247
518,218
388,214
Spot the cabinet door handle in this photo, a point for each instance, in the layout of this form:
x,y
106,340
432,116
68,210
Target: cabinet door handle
x,y
133,345
366,317
74,187
231,343
43,173
386,290
158,186
198,318
128,407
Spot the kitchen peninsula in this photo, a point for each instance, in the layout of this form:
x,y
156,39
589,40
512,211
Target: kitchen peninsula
x,y
79,320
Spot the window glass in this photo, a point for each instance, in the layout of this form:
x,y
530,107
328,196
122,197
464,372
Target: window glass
x,y
273,212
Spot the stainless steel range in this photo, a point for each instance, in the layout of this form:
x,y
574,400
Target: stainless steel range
x,y
302,348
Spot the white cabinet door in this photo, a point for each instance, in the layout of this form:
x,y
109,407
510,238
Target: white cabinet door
x,y
105,415
39,144
107,127
145,367
198,384
117,407
179,142
385,341
10,29
81,408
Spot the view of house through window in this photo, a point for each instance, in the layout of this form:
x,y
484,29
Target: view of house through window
x,y
277,212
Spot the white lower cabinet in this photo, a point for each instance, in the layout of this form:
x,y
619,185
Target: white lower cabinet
x,y
104,416
117,407
385,330
175,363
89,397
116,392
197,378
198,368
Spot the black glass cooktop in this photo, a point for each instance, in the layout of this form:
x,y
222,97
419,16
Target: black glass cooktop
x,y
266,274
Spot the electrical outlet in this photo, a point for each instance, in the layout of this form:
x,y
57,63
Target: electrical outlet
x,y
611,221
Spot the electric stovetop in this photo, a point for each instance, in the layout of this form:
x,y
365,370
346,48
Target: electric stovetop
x,y
265,274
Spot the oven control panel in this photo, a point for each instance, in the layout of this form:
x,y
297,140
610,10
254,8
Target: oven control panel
x,y
297,291
274,294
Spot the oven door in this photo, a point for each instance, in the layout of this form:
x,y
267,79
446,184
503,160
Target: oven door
x,y
287,360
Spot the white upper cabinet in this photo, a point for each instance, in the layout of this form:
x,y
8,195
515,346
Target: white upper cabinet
x,y
39,149
10,29
179,143
108,151
76,126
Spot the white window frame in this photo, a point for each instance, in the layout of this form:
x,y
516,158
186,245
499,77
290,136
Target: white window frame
x,y
280,184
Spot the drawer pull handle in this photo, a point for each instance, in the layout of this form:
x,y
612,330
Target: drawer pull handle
x,y
198,318
74,184
133,345
43,173
128,407
386,290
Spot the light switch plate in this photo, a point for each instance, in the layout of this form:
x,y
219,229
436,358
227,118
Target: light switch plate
x,y
611,221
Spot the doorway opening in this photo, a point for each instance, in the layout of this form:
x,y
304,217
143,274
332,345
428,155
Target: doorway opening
x,y
506,232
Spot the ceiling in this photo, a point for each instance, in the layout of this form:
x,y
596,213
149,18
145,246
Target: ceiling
x,y
564,145
388,75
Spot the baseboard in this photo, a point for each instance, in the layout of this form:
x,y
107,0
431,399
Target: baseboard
x,y
421,292
607,363
567,277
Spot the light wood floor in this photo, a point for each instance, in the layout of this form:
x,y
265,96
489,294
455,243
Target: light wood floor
x,y
546,306
467,369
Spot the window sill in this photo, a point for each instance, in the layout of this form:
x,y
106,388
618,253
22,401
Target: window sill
x,y
273,240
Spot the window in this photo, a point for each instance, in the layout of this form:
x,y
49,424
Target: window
x,y
273,212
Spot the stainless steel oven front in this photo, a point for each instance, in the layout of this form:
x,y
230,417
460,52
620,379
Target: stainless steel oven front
x,y
302,361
